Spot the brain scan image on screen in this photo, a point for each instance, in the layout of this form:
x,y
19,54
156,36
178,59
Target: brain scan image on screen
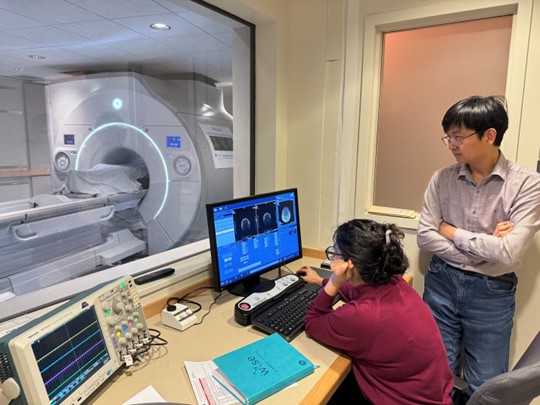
x,y
266,215
286,212
285,215
244,223
267,219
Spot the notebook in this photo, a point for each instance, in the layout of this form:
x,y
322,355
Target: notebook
x,y
260,369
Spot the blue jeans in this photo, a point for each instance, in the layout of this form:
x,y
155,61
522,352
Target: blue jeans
x,y
474,314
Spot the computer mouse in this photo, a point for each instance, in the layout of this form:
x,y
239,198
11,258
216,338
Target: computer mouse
x,y
301,273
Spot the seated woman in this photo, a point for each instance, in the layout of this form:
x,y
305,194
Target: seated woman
x,y
396,349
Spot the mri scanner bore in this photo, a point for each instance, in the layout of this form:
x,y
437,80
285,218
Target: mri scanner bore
x,y
135,160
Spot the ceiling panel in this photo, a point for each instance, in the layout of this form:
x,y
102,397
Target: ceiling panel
x,y
79,35
48,12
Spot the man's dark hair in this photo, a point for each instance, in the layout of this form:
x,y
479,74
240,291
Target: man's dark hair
x,y
374,248
479,113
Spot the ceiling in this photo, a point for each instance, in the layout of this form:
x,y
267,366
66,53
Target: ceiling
x,y
47,40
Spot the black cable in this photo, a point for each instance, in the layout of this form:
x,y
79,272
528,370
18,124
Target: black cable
x,y
184,299
209,308
175,300
146,346
287,267
158,337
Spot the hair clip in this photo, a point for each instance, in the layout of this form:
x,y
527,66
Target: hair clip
x,y
387,236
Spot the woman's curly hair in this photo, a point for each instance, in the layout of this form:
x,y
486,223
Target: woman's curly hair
x,y
374,248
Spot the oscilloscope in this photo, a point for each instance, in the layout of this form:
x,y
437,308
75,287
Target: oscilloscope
x,y
65,355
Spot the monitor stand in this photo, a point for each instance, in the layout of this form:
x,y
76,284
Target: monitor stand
x,y
251,285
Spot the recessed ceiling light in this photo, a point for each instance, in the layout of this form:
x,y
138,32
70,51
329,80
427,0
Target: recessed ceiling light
x,y
36,56
19,69
160,26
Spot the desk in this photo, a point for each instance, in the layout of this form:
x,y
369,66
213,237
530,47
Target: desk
x,y
219,334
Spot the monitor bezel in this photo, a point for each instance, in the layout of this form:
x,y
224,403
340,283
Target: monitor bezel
x,y
235,286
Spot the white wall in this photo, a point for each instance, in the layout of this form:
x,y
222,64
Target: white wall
x,y
299,73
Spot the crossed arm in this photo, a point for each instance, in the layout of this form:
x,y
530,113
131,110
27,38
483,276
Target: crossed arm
x,y
501,230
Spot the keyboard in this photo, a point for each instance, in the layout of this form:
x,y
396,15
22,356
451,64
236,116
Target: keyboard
x,y
286,316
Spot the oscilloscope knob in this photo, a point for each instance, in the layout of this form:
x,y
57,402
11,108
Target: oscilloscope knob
x,y
110,321
122,341
118,307
129,307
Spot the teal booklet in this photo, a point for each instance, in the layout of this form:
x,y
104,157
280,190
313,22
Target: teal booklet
x,y
260,369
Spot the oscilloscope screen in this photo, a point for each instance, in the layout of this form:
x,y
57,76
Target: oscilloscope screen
x,y
70,354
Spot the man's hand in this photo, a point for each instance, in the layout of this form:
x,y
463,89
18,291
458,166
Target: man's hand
x,y
503,228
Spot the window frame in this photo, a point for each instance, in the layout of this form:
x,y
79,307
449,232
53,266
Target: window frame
x,y
195,256
366,75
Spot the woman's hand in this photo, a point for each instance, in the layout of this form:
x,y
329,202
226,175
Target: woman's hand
x,y
309,275
342,271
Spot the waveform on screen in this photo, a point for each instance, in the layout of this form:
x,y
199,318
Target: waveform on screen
x,y
95,330
77,363
70,354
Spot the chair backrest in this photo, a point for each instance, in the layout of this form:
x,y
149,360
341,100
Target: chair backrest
x,y
517,387
531,355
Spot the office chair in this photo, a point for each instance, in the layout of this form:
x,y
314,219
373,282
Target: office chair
x,y
517,387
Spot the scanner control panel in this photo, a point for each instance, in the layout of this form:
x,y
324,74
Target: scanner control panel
x,y
245,308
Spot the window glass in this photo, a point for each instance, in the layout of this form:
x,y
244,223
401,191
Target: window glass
x,y
424,72
119,123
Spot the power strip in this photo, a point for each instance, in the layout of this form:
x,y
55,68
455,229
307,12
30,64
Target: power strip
x,y
178,316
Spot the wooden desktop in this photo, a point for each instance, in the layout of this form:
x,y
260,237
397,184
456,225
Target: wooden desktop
x,y
218,334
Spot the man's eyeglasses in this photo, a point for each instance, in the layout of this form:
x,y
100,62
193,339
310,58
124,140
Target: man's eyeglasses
x,y
455,140
331,253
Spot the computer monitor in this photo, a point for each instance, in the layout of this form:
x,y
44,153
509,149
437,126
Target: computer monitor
x,y
250,236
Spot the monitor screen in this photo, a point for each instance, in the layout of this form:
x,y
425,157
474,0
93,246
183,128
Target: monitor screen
x,y
250,236
68,356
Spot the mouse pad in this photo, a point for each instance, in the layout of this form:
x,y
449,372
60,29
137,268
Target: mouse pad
x,y
324,273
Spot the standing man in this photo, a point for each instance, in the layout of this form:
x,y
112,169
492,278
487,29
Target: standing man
x,y
479,215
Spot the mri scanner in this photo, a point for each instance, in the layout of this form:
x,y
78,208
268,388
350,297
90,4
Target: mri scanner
x,y
135,159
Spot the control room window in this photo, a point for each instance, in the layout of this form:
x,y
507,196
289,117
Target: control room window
x,y
118,125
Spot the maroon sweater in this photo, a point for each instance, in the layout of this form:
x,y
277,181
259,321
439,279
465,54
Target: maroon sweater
x,y
396,349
